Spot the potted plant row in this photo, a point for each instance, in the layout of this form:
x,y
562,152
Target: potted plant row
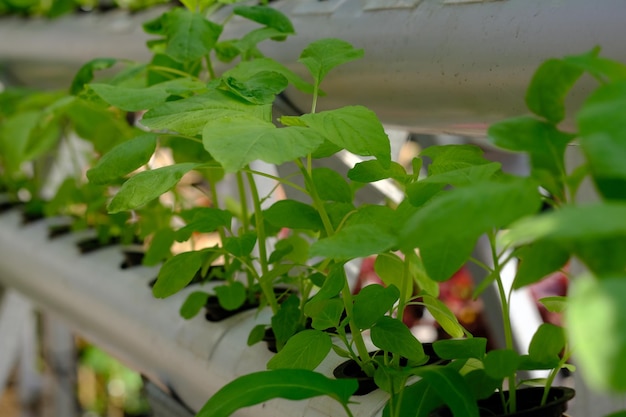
x,y
289,256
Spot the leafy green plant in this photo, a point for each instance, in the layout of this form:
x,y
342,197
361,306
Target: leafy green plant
x,y
216,127
227,122
573,229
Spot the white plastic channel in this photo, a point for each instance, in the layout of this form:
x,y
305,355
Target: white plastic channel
x,y
115,309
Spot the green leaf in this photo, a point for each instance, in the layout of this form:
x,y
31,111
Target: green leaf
x,y
464,176
258,387
304,350
190,36
267,16
420,193
193,304
102,127
331,186
602,69
160,246
256,335
538,261
261,88
240,245
372,303
547,344
189,116
596,317
372,171
418,400
474,347
247,69
593,222
325,313
325,54
602,133
123,159
354,128
231,296
177,272
137,99
450,386
85,73
455,220
390,269
205,220
294,215
555,304
333,284
453,157
286,322
444,316
148,185
235,141
544,143
354,241
548,88
391,335
501,363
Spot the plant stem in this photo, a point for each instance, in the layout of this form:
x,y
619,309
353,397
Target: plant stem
x,y
209,67
266,287
506,317
357,337
317,201
216,204
553,374
243,199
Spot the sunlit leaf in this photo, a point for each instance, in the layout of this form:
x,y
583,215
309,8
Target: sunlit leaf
x,y
549,87
596,317
137,99
450,386
501,363
538,261
237,141
294,215
354,241
231,296
331,186
123,159
177,272
372,303
391,335
354,128
304,350
444,316
547,344
193,304
190,36
267,16
189,116
148,185
474,347
325,313
292,384
325,54
260,88
86,72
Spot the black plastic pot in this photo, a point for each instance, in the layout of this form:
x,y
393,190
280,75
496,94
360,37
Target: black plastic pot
x,y
528,404
350,369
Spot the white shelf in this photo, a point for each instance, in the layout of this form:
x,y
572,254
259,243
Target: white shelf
x,y
115,309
